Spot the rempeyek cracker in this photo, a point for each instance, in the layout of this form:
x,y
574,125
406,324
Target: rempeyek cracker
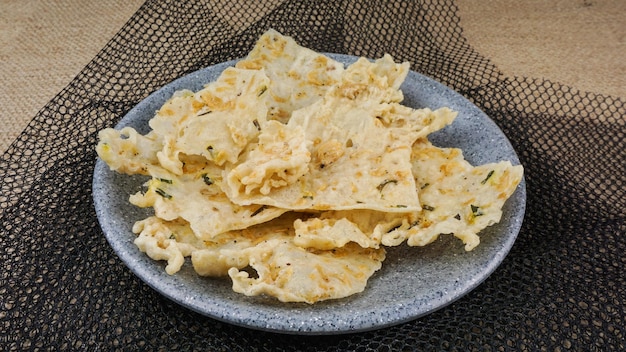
x,y
298,76
216,123
290,173
283,269
456,198
197,199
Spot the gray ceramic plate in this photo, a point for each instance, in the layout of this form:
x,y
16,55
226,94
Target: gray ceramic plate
x,y
413,281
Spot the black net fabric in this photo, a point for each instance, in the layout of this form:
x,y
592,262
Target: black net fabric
x,y
562,286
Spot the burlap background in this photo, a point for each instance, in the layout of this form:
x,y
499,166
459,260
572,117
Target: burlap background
x,y
579,43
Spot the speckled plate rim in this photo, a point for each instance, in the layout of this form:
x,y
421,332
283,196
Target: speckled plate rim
x,y
413,281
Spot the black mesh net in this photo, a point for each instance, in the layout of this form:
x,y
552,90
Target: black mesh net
x,y
561,287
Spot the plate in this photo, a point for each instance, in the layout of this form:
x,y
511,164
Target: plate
x,y
413,282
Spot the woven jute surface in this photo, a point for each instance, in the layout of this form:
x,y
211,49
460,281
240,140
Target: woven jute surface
x,y
549,74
